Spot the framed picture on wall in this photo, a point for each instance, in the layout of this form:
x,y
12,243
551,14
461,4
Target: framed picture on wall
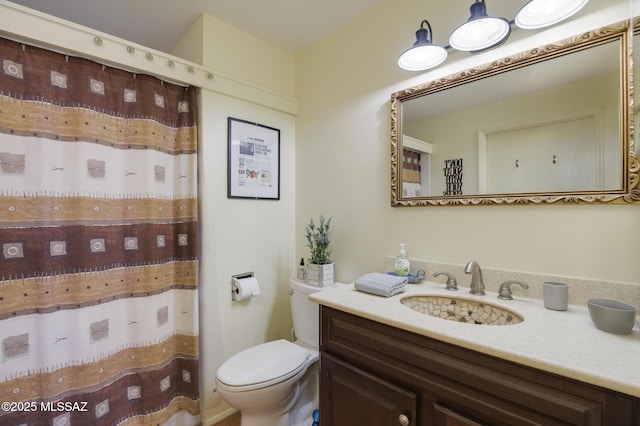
x,y
254,161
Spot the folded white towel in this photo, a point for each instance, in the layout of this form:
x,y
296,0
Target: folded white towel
x,y
381,284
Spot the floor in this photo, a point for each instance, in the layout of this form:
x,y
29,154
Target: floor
x,y
232,420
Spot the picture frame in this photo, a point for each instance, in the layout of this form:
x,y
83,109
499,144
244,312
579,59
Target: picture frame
x,y
253,166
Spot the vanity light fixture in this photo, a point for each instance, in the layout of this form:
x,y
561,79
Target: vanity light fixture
x,y
542,13
481,31
423,54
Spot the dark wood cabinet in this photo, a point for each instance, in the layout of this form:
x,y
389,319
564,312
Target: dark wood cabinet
x,y
374,374
447,417
360,398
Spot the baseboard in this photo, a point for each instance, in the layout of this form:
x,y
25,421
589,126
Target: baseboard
x,y
221,412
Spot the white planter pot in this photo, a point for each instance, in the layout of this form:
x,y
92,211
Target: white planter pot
x,y
320,275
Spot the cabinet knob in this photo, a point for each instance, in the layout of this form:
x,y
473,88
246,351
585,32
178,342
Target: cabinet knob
x,y
404,420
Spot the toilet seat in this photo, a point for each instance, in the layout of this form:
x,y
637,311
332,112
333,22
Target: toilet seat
x,y
262,366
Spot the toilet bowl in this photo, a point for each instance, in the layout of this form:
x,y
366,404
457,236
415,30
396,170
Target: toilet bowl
x,y
276,383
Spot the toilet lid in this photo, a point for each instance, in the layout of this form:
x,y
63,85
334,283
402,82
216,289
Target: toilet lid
x,y
279,359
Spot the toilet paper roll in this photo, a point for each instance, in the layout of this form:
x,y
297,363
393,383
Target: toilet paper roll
x,y
246,287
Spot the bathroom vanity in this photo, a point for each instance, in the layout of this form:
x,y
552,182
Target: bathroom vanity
x,y
384,364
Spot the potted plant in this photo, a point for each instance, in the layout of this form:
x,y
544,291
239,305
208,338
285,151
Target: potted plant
x,y
320,268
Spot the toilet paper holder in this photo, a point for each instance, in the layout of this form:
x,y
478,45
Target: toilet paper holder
x,y
234,287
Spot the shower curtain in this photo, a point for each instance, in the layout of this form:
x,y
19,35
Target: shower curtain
x,y
99,239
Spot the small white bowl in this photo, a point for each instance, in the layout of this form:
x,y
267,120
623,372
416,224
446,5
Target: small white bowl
x,y
612,316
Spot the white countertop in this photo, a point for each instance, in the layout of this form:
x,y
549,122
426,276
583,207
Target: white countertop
x,y
561,342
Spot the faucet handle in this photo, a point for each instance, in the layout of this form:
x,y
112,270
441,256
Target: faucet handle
x,y
505,289
452,284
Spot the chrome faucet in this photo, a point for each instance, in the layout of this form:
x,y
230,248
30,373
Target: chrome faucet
x,y
477,284
451,280
505,289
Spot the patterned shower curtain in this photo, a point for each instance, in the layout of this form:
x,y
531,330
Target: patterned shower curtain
x,y
411,178
99,238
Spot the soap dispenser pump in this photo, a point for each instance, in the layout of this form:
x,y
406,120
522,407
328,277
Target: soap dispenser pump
x,y
402,263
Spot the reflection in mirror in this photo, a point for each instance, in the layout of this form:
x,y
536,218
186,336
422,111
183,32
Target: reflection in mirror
x,y
547,125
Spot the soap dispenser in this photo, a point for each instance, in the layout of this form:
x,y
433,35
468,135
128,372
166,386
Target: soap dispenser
x,y
402,263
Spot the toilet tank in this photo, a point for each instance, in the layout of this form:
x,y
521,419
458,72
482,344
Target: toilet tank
x,y
305,313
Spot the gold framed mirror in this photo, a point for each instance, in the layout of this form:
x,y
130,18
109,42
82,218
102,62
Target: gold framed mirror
x,y
548,125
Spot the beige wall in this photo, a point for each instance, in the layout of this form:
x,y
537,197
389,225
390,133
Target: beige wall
x,y
190,45
238,54
241,235
344,84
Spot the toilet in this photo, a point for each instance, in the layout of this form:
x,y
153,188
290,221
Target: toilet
x,y
276,383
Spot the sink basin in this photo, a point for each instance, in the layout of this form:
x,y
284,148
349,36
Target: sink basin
x,y
459,309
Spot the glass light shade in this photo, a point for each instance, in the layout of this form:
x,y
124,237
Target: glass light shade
x,y
542,13
423,54
480,34
423,57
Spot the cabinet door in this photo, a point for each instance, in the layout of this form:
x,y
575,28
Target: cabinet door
x,y
446,417
350,396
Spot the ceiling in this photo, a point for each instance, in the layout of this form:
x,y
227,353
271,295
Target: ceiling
x,y
291,25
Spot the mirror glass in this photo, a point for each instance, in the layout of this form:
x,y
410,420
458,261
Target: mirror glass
x,y
547,125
